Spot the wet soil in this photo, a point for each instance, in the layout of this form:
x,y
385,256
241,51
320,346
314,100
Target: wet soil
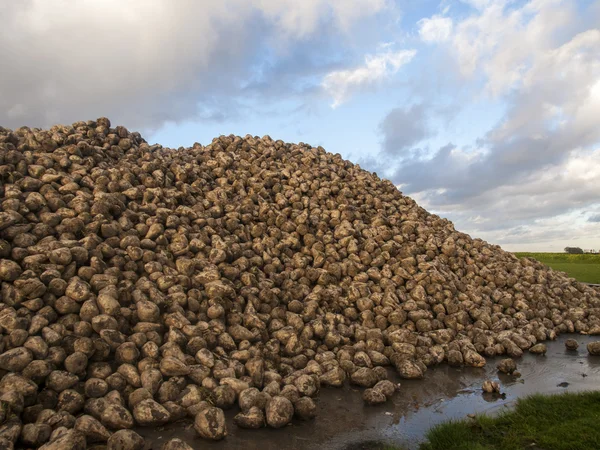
x,y
344,422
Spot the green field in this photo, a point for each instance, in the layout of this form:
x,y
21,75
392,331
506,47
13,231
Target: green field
x,y
554,422
584,268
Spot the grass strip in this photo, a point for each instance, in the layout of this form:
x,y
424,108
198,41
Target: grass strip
x,y
550,422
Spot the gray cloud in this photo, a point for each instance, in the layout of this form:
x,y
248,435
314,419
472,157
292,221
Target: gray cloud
x,y
528,178
545,122
555,190
594,218
404,128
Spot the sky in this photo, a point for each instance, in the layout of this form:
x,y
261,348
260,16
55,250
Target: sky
x,y
486,112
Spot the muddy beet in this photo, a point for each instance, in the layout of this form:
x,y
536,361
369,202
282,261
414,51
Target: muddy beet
x,y
538,349
141,285
490,386
508,366
571,344
594,348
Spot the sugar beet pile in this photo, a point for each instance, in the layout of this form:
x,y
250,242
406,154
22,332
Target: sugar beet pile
x,y
142,285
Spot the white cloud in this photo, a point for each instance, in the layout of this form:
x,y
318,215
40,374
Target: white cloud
x,y
300,19
559,87
501,42
340,84
534,176
547,210
144,62
481,4
350,11
403,128
435,29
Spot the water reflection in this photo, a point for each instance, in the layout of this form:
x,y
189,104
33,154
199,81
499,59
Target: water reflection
x,y
344,422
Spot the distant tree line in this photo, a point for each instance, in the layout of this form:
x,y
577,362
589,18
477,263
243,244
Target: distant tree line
x,y
574,250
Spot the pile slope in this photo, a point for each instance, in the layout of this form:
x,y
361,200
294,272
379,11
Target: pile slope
x,y
140,283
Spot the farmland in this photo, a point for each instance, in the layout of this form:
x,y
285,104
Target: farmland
x,y
584,267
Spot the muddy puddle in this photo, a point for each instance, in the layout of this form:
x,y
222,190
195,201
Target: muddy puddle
x,y
345,423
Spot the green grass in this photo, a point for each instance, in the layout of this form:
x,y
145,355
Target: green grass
x,y
584,267
554,422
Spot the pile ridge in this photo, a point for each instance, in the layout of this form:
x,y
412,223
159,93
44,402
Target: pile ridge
x,y
142,285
